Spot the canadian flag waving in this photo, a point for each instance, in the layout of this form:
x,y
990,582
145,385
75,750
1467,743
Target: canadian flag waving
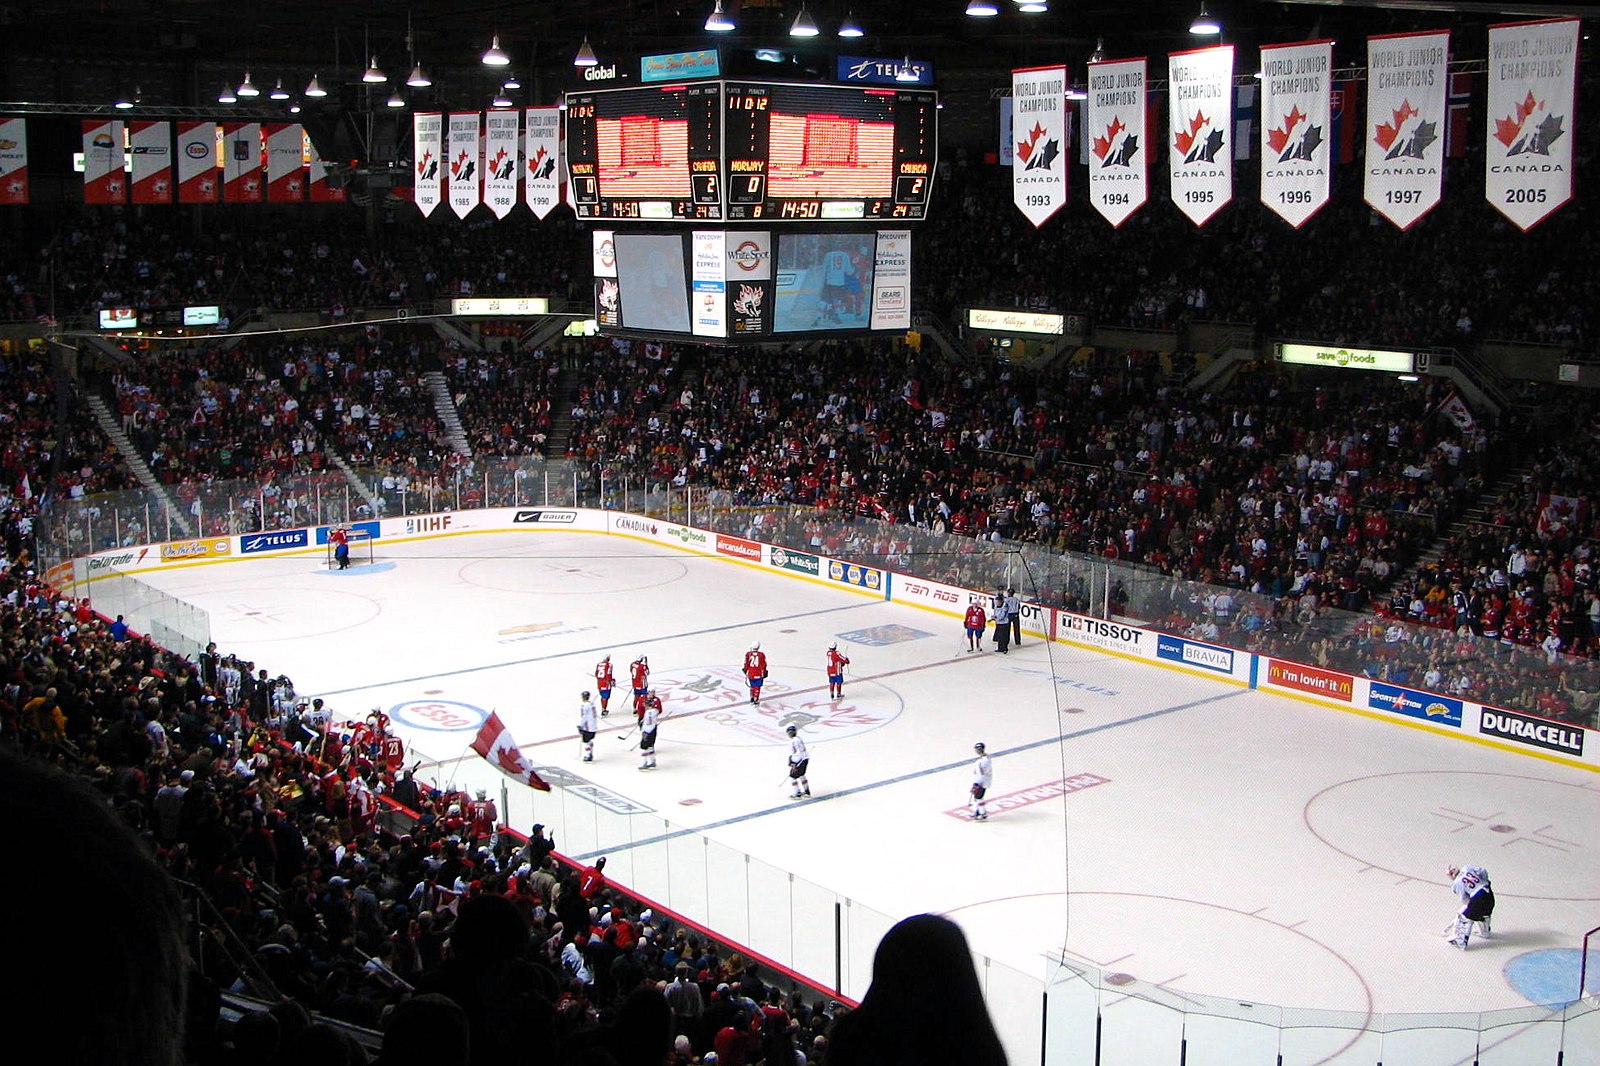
x,y
495,744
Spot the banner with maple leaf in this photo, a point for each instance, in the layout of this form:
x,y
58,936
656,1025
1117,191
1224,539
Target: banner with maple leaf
x,y
152,161
1114,125
502,134
13,161
1296,113
1533,79
241,163
541,146
1200,116
197,162
323,191
104,160
427,149
494,743
286,170
1039,165
464,162
1405,110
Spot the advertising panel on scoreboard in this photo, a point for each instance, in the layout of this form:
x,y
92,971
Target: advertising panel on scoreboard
x,y
652,282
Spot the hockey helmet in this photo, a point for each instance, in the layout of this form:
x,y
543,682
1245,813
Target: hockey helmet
x,y
586,694
791,731
833,645
978,747
483,793
755,645
1453,871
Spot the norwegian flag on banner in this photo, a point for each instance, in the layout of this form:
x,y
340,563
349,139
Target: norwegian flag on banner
x,y
1118,144
152,161
427,148
1296,104
286,172
541,178
105,180
322,190
1405,110
466,151
494,743
1533,81
1200,120
13,161
197,163
501,135
241,162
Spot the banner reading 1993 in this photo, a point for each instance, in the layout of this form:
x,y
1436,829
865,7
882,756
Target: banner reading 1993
x,y
1405,135
1296,114
1533,78
1119,167
1039,130
1200,106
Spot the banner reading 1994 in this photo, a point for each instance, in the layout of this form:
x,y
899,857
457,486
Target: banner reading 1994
x,y
1039,130
1119,168
1296,114
1533,78
1405,135
1200,109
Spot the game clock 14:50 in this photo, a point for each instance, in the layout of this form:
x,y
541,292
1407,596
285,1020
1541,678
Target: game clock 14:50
x,y
646,152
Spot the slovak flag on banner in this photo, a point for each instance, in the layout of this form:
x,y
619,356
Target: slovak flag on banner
x,y
241,162
541,146
494,743
197,163
465,155
322,191
1296,116
1114,130
105,180
1533,104
1405,131
501,136
427,148
286,172
13,161
152,161
1200,122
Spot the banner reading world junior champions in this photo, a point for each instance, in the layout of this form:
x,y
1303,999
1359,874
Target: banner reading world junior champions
x,y
1533,69
1039,132
1296,110
1200,110
1119,153
1405,132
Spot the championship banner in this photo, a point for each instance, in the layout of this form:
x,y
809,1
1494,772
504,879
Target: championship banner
x,y
1533,78
322,190
1039,167
1200,117
541,182
500,148
151,143
1114,127
465,153
427,148
1405,106
13,161
241,162
1296,119
104,160
286,170
197,162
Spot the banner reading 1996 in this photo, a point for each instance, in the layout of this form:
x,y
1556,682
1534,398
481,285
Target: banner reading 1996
x,y
1119,168
1039,130
1296,114
1200,106
1405,135
1533,78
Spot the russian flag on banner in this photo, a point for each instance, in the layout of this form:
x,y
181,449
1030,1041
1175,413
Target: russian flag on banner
x,y
152,161
322,192
105,180
197,163
13,161
286,172
241,162
494,743
1458,115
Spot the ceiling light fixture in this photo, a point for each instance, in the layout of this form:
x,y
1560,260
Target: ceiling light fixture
x,y
314,88
124,103
1204,25
226,96
248,87
294,109
1076,92
1099,53
982,9
500,100
718,21
850,27
908,72
419,78
374,75
1034,7
494,57
511,83
804,25
585,56
395,100
278,92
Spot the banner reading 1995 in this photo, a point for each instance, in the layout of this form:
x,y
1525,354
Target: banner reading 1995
x,y
1039,130
1533,79
1200,109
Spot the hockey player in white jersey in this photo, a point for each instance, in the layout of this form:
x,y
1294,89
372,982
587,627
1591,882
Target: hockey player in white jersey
x,y
1472,888
649,722
799,763
588,723
982,778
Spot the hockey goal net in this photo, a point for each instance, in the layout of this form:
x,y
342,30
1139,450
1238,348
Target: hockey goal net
x,y
360,542
830,141
641,141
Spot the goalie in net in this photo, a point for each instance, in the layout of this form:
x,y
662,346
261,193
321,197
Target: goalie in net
x,y
347,546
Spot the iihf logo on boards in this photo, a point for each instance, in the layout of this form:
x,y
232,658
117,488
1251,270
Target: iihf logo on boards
x,y
1118,147
1407,135
1200,140
1296,137
1039,151
1530,128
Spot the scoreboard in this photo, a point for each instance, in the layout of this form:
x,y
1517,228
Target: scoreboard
x,y
748,151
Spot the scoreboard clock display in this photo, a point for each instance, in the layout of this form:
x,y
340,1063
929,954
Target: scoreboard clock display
x,y
751,152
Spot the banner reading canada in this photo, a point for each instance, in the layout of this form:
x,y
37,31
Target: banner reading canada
x,y
13,161
1533,77
501,134
427,145
1405,109
1200,110
466,148
1039,118
1119,170
1296,106
541,137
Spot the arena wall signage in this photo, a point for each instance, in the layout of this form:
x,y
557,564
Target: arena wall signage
x,y
1348,358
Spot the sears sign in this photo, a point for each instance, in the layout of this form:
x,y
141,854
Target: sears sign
x,y
251,543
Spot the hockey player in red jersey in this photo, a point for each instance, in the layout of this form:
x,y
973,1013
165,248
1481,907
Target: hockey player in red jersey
x,y
482,815
837,661
640,671
755,671
605,680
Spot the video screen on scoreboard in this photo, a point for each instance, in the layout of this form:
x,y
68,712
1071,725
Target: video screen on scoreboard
x,y
652,282
646,152
824,282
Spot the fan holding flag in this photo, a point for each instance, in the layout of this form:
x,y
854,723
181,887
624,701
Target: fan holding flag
x,y
494,743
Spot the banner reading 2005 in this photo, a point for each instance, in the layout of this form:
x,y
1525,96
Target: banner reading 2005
x,y
1533,68
1039,124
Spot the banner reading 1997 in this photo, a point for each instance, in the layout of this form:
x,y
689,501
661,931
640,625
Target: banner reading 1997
x,y
1119,168
1533,78
1405,135
1200,106
1296,114
1039,130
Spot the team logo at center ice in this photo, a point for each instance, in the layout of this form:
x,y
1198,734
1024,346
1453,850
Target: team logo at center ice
x,y
712,706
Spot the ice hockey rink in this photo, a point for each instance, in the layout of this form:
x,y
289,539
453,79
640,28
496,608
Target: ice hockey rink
x,y
1172,831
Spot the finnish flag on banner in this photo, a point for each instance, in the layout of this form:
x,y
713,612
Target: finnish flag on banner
x,y
1296,119
1405,116
1114,130
466,150
427,154
1200,120
1039,128
541,180
1533,107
